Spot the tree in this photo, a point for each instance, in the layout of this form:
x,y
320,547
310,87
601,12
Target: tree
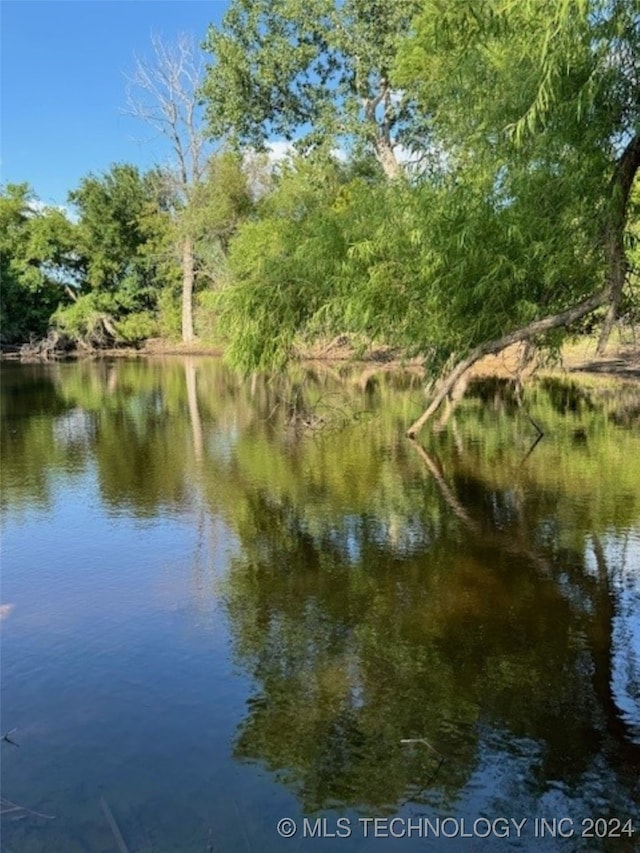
x,y
219,203
121,242
163,93
321,69
516,233
566,121
38,263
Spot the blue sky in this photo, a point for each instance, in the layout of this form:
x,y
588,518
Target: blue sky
x,y
63,65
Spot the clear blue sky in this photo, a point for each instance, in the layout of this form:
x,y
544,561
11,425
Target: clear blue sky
x,y
63,65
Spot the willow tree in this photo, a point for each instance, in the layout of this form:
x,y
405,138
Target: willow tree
x,y
516,233
319,72
541,103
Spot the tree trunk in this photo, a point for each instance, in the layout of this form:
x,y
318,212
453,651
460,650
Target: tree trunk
x,y
538,327
616,261
387,159
188,274
381,131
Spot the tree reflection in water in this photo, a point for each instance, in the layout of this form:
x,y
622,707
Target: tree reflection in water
x,y
382,593
484,632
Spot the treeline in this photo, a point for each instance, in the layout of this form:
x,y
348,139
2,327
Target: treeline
x,y
114,275
461,175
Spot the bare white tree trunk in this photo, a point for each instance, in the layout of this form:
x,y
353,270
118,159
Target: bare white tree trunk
x,y
381,130
164,94
387,159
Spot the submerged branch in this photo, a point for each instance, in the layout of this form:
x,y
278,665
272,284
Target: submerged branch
x,y
115,829
6,807
526,333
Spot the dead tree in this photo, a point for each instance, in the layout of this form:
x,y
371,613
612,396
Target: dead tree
x,y
163,92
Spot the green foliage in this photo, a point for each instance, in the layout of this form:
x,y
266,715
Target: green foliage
x,y
118,213
137,327
435,270
507,226
100,319
320,69
169,313
283,265
217,205
545,149
126,245
82,320
122,259
37,259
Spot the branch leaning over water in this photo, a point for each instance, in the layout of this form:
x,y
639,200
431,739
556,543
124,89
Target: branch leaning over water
x,y
526,333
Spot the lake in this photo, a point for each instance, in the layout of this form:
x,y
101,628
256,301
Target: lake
x,y
238,610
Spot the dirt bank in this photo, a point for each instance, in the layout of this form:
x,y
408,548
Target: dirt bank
x,y
621,359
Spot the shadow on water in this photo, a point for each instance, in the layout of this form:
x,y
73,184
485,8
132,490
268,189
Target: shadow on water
x,y
356,624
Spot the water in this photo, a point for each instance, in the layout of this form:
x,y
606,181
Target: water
x,y
227,603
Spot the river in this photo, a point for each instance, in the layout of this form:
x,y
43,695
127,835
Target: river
x,y
235,610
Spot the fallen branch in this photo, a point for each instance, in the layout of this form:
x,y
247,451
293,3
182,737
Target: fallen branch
x,y
115,829
526,333
44,348
6,807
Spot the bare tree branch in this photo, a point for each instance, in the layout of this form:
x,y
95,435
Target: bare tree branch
x,y
163,93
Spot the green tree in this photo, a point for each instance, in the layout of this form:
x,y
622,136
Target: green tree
x,y
163,92
282,266
38,263
218,204
121,237
517,230
321,70
561,138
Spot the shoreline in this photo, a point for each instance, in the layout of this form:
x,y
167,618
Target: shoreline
x,y
621,360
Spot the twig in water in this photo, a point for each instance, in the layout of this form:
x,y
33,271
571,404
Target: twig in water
x,y
115,829
425,742
537,441
536,426
8,739
430,780
6,806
